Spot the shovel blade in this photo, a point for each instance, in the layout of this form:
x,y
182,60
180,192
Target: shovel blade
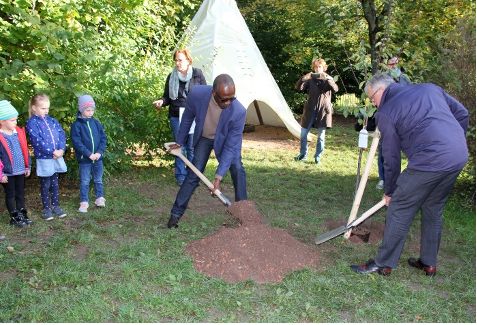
x,y
225,199
330,234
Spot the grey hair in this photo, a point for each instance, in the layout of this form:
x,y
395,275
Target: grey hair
x,y
378,81
223,80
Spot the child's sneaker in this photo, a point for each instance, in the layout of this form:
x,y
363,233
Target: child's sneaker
x,y
47,215
83,207
59,212
380,185
100,202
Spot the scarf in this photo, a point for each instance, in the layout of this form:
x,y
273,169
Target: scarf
x,y
176,76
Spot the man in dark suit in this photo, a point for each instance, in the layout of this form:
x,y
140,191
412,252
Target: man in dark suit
x,y
220,120
429,126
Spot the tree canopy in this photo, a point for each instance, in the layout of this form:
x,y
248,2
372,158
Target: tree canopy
x,y
120,52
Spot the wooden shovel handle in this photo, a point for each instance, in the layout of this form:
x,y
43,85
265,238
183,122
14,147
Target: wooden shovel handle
x,y
364,179
368,213
177,152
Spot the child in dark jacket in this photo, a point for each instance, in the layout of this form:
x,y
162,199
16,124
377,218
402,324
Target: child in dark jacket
x,y
15,164
49,143
89,141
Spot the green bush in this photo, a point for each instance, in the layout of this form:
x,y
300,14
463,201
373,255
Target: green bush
x,y
117,51
455,71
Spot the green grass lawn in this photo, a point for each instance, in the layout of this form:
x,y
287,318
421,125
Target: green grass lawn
x,y
121,263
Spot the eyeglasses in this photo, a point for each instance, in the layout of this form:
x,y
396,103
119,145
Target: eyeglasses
x,y
224,100
372,96
392,63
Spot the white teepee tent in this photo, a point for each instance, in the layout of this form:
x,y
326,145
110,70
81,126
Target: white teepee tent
x,y
220,42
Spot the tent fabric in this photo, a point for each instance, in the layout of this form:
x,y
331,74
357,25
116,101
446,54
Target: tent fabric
x,y
220,42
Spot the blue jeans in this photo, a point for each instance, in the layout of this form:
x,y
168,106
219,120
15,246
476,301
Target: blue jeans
x,y
380,161
180,167
203,148
85,171
320,143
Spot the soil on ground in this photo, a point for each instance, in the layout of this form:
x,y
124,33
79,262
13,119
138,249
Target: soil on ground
x,y
254,250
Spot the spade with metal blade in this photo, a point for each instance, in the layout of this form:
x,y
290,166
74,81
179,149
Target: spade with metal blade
x,y
177,152
341,230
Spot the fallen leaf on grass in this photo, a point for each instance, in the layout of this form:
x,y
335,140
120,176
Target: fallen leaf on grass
x,y
10,249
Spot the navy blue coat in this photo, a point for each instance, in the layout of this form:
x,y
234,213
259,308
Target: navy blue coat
x,y
425,123
88,137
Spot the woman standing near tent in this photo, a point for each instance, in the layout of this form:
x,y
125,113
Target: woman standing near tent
x,y
178,84
318,108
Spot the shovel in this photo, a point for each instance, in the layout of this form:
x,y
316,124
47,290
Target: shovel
x,y
364,179
341,230
177,152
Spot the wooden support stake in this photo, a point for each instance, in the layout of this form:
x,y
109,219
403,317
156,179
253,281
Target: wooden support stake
x,y
362,183
259,115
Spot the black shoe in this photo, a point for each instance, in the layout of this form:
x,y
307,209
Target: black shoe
x,y
24,214
371,267
300,157
173,222
430,270
16,219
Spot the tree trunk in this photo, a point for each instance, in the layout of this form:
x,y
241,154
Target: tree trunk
x,y
375,25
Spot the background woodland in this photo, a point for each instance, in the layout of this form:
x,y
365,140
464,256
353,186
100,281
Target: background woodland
x,y
120,52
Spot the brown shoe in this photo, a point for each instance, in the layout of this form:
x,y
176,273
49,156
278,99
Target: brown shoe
x,y
430,270
371,267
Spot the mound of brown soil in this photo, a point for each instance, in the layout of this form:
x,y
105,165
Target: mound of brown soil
x,y
251,251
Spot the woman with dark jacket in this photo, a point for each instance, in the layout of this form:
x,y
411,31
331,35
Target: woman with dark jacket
x,y
178,84
318,109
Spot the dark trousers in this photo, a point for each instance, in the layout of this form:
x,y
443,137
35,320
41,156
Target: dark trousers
x,y
415,190
15,192
202,151
50,188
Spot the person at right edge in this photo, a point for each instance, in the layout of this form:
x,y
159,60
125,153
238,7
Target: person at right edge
x,y
318,109
400,78
429,126
220,120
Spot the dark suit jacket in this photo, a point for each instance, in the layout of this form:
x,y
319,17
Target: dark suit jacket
x,y
228,137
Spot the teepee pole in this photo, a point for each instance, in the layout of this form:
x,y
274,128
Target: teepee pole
x,y
259,114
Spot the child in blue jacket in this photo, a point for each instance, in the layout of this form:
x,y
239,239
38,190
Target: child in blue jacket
x,y
49,143
15,164
89,142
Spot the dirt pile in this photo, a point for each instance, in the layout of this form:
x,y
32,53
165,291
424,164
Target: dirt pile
x,y
250,251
